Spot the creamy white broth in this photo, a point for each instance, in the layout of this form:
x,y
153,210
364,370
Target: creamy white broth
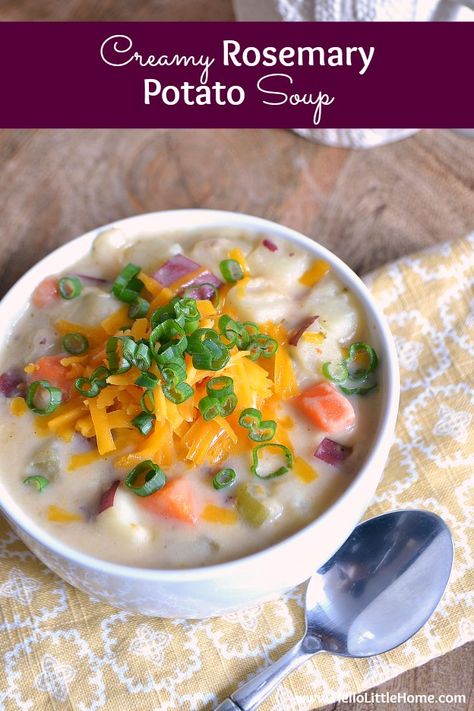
x,y
136,536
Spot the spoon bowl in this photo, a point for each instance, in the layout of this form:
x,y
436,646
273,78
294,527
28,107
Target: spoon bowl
x,y
375,593
381,586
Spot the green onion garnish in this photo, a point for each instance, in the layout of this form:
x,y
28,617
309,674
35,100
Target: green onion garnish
x,y
256,455
69,287
39,482
147,402
209,408
127,286
250,418
116,349
100,375
259,430
141,357
87,387
357,390
178,393
350,382
168,334
138,308
75,343
223,479
262,345
146,380
231,270
264,432
152,476
228,405
173,372
187,310
41,390
354,350
144,422
220,387
335,372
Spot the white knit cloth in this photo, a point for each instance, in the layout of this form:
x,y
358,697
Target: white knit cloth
x,y
347,11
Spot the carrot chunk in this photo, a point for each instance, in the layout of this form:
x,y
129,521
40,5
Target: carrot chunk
x,y
49,368
326,407
46,293
174,500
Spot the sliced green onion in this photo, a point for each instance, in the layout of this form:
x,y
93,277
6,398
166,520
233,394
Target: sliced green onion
x,y
335,372
178,393
144,423
164,313
229,404
220,387
231,270
39,482
118,363
224,478
141,358
153,478
214,358
187,310
100,375
357,390
262,345
69,287
173,372
256,455
87,387
252,328
263,432
354,350
167,334
146,380
127,287
168,354
75,343
250,418
200,339
147,402
138,308
43,389
209,408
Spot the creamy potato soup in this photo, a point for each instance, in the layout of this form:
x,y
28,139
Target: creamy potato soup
x,y
186,399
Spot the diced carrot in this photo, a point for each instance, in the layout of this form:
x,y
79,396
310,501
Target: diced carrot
x,y
49,368
46,293
174,500
326,407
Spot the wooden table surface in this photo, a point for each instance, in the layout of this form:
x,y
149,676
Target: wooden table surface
x,y
367,206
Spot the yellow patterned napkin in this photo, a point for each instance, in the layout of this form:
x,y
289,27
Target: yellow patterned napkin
x,y
62,650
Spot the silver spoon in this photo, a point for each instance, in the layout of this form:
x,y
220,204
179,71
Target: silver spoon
x,y
380,587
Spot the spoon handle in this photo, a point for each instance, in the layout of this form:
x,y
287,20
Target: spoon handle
x,y
255,691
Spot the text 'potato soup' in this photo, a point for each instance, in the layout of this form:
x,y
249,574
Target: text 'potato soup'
x,y
185,399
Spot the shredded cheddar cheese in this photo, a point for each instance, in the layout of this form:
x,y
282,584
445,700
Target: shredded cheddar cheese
x,y
219,514
315,273
18,406
304,471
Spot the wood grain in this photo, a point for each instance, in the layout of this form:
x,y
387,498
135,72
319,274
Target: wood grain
x,y
367,206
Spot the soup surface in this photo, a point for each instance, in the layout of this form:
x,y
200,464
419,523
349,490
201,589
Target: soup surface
x,y
184,399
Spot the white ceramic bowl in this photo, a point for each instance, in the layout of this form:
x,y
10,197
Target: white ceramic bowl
x,y
214,590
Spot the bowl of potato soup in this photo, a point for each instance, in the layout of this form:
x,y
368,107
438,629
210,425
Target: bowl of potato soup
x,y
195,407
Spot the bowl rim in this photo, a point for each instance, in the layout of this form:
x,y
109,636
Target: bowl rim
x,y
382,438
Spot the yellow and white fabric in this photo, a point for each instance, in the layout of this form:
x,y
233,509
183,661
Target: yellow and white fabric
x,y
60,649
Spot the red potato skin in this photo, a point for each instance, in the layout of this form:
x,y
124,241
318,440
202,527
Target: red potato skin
x,y
108,497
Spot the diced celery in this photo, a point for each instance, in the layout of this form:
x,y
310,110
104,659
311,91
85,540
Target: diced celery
x,y
250,500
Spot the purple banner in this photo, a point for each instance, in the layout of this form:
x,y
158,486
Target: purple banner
x,y
236,75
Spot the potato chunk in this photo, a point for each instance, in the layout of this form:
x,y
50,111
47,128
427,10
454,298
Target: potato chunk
x,y
260,302
284,266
